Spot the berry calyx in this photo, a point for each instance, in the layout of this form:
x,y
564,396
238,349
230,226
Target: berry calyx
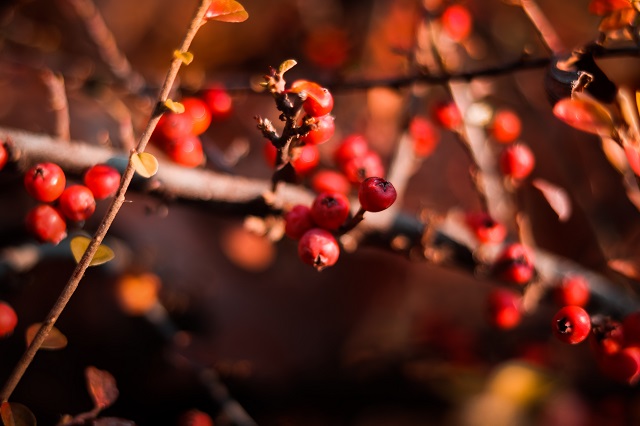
x,y
376,194
8,319
198,112
571,324
425,136
4,155
572,290
317,247
46,224
485,228
607,337
504,308
506,126
517,161
323,131
103,180
515,264
186,151
330,210
45,182
77,203
319,100
298,220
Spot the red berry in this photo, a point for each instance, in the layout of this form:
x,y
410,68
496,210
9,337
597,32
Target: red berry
x,y
77,203
298,220
425,136
4,155
571,324
623,366
359,168
606,338
45,182
330,181
325,127
504,308
517,161
631,326
457,22
103,180
219,102
46,224
319,100
330,210
319,248
186,151
8,319
172,126
485,228
198,112
376,194
352,146
572,290
506,126
515,264
195,418
447,115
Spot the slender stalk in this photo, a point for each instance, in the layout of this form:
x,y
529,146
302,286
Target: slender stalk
x,y
108,219
59,104
543,26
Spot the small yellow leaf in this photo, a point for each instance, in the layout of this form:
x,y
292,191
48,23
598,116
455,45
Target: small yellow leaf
x,y
79,245
185,57
14,414
145,164
286,66
54,340
226,11
174,106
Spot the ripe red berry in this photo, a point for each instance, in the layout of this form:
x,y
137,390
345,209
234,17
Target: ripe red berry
x,y
425,136
8,319
325,127
517,161
515,264
350,147
359,168
330,210
4,155
198,112
298,220
572,290
457,22
45,182
317,247
631,327
195,418
376,194
186,151
319,100
504,308
506,126
219,102
607,337
330,181
46,224
77,203
623,366
447,115
485,228
103,180
172,126
571,324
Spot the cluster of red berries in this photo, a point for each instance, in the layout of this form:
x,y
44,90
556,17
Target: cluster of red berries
x,y
330,212
516,159
46,182
178,135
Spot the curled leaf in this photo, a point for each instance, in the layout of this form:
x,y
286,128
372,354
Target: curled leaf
x,y
286,66
80,244
586,114
226,11
102,387
14,414
185,57
54,340
174,106
145,164
557,198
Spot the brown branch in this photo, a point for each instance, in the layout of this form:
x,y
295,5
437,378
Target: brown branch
x,y
58,102
104,41
106,222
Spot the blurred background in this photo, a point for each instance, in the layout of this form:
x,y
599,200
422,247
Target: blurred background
x,y
378,339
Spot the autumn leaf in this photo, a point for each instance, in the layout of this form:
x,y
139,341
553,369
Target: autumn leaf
x,y
14,414
54,340
145,164
586,114
557,197
102,387
80,244
226,11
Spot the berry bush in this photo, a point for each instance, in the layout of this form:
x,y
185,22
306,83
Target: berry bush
x,y
300,212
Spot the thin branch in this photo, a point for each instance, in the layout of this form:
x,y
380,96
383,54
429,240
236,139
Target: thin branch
x,y
106,222
543,26
58,102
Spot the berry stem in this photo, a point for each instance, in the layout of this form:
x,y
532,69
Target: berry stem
x,y
353,222
107,220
